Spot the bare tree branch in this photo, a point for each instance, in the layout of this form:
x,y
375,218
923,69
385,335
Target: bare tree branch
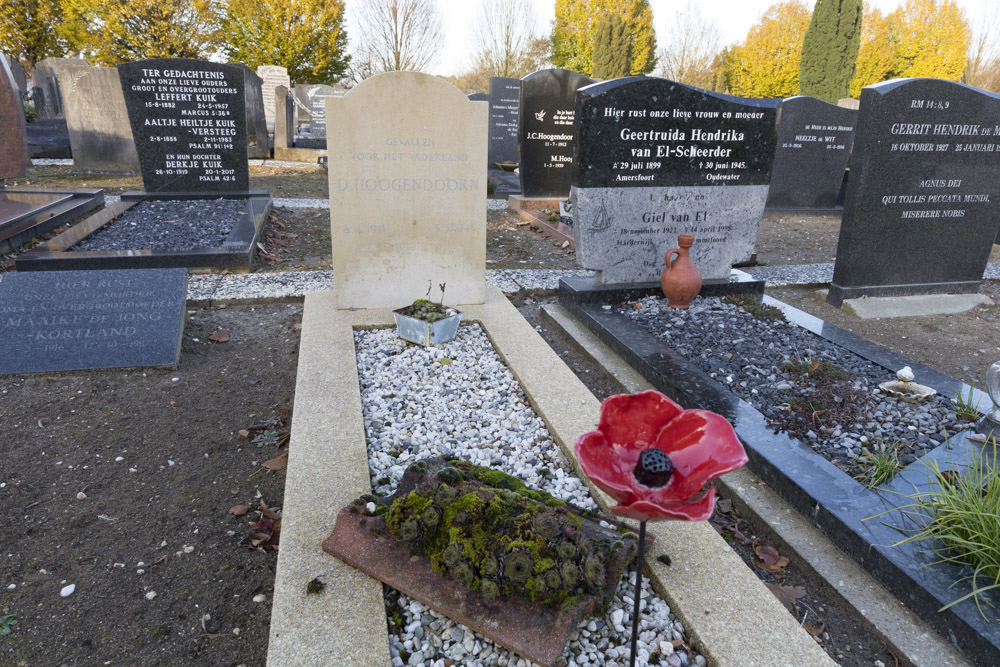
x,y
983,67
693,42
395,35
503,38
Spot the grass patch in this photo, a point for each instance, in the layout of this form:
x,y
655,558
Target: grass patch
x,y
965,409
958,517
754,307
881,465
814,369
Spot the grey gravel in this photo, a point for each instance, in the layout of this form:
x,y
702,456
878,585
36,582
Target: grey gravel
x,y
746,355
168,225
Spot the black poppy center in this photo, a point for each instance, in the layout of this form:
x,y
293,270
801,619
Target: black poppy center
x,y
653,469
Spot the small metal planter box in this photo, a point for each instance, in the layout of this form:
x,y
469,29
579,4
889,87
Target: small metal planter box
x,y
427,333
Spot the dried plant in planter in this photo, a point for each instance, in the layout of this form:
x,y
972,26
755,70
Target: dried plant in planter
x,y
424,322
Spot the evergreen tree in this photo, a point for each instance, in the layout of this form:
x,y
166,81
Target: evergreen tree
x,y
612,50
830,49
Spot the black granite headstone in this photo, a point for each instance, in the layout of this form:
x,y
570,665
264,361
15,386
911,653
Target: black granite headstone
x,y
545,122
478,97
814,145
257,142
921,210
77,320
504,94
656,159
188,120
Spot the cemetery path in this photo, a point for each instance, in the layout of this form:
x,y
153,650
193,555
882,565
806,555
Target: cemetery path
x,y
121,484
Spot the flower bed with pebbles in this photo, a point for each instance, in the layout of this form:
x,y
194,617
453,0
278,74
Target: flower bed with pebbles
x,y
460,399
803,384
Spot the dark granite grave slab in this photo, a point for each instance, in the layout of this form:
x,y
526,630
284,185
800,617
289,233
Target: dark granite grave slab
x,y
27,213
81,320
656,159
814,146
188,120
504,100
237,251
545,131
921,210
834,502
49,139
478,97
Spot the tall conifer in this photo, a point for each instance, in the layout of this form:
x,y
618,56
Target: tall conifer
x,y
830,49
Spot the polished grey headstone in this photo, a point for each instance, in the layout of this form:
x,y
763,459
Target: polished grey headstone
x,y
81,320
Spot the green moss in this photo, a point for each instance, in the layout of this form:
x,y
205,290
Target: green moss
x,y
315,587
754,307
492,534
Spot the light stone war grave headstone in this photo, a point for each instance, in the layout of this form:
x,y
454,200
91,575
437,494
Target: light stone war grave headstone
x,y
26,213
81,320
407,192
657,159
97,120
814,146
188,120
545,126
921,210
271,76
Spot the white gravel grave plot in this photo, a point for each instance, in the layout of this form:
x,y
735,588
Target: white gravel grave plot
x,y
460,399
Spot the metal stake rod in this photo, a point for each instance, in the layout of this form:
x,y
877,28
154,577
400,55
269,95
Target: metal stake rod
x,y
638,590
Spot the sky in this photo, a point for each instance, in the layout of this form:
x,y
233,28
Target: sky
x,y
734,18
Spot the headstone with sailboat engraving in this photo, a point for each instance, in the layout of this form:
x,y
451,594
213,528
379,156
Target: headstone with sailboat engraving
x,y
656,159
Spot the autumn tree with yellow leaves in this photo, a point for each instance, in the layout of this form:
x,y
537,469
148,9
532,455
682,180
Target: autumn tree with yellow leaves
x,y
576,29
767,63
923,38
306,37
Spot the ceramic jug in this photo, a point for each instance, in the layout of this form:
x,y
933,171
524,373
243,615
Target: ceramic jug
x,y
681,279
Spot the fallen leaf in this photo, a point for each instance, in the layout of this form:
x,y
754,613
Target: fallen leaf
x,y
278,462
220,336
766,553
813,630
244,433
175,404
787,595
724,505
239,510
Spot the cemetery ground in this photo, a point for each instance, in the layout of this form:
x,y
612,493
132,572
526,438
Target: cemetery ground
x,y
192,452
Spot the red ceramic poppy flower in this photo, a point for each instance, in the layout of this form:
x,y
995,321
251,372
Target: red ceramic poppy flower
x,y
654,457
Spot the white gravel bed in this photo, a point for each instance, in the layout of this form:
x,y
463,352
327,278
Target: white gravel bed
x,y
288,202
793,274
471,406
496,204
51,162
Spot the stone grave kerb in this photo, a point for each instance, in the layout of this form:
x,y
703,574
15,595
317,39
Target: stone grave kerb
x,y
407,192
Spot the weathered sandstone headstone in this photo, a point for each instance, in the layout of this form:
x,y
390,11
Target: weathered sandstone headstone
x,y
407,191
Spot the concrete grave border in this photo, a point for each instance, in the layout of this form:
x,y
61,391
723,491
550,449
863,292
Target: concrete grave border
x,y
727,612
